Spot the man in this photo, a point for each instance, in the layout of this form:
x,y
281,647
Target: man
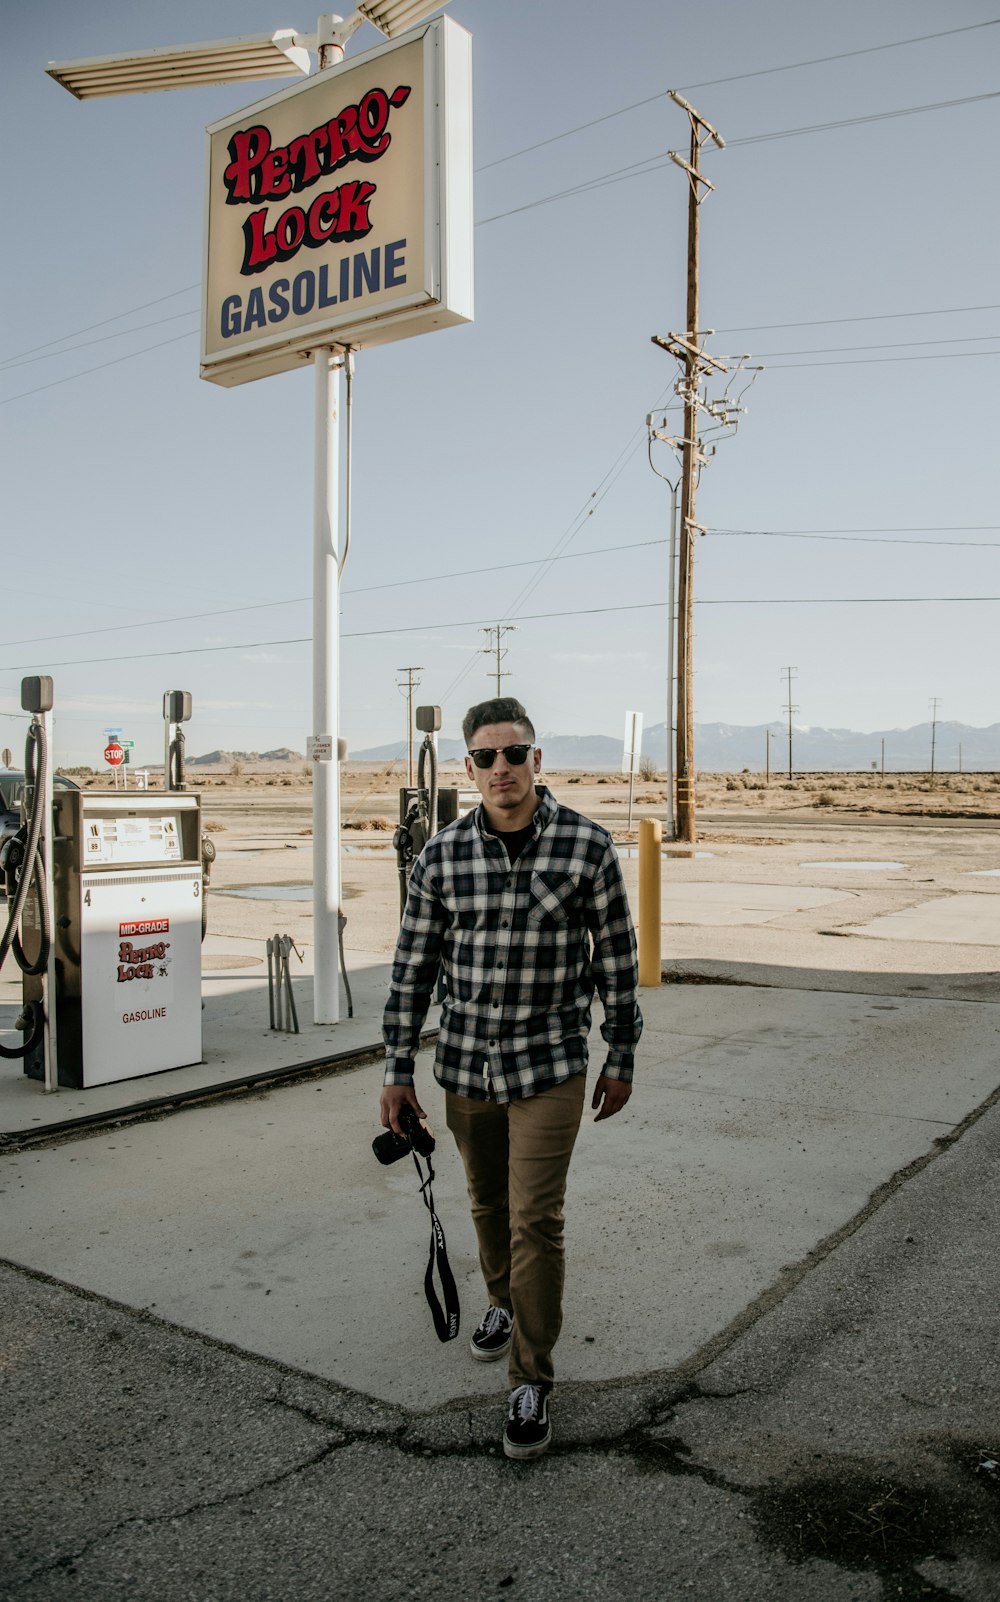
x,y
522,903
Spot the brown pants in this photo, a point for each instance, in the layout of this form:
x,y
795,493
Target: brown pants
x,y
516,1157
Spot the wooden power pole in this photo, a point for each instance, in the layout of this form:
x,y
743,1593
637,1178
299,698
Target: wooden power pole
x,y
687,349
410,685
497,649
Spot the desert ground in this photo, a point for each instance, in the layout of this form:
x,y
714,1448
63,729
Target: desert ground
x,y
370,794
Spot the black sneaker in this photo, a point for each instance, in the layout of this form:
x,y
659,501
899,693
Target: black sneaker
x,y
528,1431
493,1337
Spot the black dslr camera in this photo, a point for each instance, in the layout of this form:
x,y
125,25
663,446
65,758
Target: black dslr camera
x,y
390,1147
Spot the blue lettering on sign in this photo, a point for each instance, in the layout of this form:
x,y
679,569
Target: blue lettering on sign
x,y
303,293
231,307
370,269
278,296
395,264
366,272
255,317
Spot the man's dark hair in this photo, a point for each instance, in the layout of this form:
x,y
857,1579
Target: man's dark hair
x,y
502,709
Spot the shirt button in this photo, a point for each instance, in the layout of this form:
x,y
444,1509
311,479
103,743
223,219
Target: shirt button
x,y
496,1003
499,964
505,923
492,1042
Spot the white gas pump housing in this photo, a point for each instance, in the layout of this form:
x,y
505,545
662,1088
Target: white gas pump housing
x,y
127,903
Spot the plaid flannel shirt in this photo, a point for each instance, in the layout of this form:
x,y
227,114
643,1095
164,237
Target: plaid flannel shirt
x,y
523,945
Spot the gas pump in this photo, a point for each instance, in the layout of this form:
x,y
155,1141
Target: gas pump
x,y
112,985
23,866
422,810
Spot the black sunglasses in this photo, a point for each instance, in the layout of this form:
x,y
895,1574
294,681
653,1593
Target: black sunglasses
x,y
515,755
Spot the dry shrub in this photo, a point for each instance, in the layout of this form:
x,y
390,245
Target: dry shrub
x,y
824,799
212,826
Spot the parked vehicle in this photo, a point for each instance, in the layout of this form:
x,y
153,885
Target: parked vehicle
x,y
11,788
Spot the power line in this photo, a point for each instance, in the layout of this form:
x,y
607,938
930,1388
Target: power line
x,y
861,537
737,77
901,344
22,394
870,317
842,55
365,589
104,322
122,333
619,175
869,361
534,617
854,122
649,164
857,539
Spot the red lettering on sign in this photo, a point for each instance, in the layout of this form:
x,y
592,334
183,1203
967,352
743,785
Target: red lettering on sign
x,y
340,214
259,171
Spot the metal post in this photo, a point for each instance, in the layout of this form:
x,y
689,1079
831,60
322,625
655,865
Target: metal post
x,y
51,1043
326,719
650,969
671,601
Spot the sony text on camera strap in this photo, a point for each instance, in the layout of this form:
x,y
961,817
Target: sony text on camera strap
x,y
446,1319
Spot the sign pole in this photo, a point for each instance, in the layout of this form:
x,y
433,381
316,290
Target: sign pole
x,y
326,689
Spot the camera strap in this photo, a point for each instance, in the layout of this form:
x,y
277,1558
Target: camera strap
x,y
446,1319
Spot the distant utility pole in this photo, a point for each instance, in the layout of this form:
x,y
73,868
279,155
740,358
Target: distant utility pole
x,y
686,348
410,685
935,703
789,673
497,649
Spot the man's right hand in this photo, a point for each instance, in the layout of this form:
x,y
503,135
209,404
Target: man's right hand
x,y
392,1099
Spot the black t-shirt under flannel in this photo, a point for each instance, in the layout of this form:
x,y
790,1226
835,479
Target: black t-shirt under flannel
x,y
523,944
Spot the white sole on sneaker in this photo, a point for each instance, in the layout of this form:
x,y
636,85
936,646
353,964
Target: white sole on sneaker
x,y
520,1453
490,1357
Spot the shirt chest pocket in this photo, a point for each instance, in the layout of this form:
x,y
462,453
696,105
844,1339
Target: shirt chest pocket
x,y
553,901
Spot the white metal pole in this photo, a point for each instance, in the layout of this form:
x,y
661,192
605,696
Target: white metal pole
x,y
326,690
50,1040
670,662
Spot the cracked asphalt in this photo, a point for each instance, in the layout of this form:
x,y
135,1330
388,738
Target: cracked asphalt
x,y
836,1446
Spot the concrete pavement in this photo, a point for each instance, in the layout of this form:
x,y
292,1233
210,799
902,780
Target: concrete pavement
x,y
225,1381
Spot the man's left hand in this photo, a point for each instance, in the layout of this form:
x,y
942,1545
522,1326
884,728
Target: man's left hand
x,y
610,1095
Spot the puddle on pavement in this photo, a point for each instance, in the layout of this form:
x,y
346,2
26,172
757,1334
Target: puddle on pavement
x,y
630,851
269,892
367,850
984,873
857,867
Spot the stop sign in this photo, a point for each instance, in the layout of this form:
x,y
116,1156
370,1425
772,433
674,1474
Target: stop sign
x,y
114,755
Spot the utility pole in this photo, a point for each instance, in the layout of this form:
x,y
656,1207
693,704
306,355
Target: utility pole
x,y
767,758
495,649
686,348
935,703
789,672
410,685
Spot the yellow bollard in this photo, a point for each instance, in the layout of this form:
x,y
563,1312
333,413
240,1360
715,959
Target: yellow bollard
x,y
650,838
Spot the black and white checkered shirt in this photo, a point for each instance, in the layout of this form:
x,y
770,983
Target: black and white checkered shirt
x,y
523,946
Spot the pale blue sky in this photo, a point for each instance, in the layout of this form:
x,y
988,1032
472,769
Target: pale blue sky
x,y
135,492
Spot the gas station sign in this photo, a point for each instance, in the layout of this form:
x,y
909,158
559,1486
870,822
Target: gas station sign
x,y
340,211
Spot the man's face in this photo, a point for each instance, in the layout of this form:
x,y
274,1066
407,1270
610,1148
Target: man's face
x,y
503,788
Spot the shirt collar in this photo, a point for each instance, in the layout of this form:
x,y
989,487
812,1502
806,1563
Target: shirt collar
x,y
541,818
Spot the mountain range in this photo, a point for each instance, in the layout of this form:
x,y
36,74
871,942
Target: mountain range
x,y
730,747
